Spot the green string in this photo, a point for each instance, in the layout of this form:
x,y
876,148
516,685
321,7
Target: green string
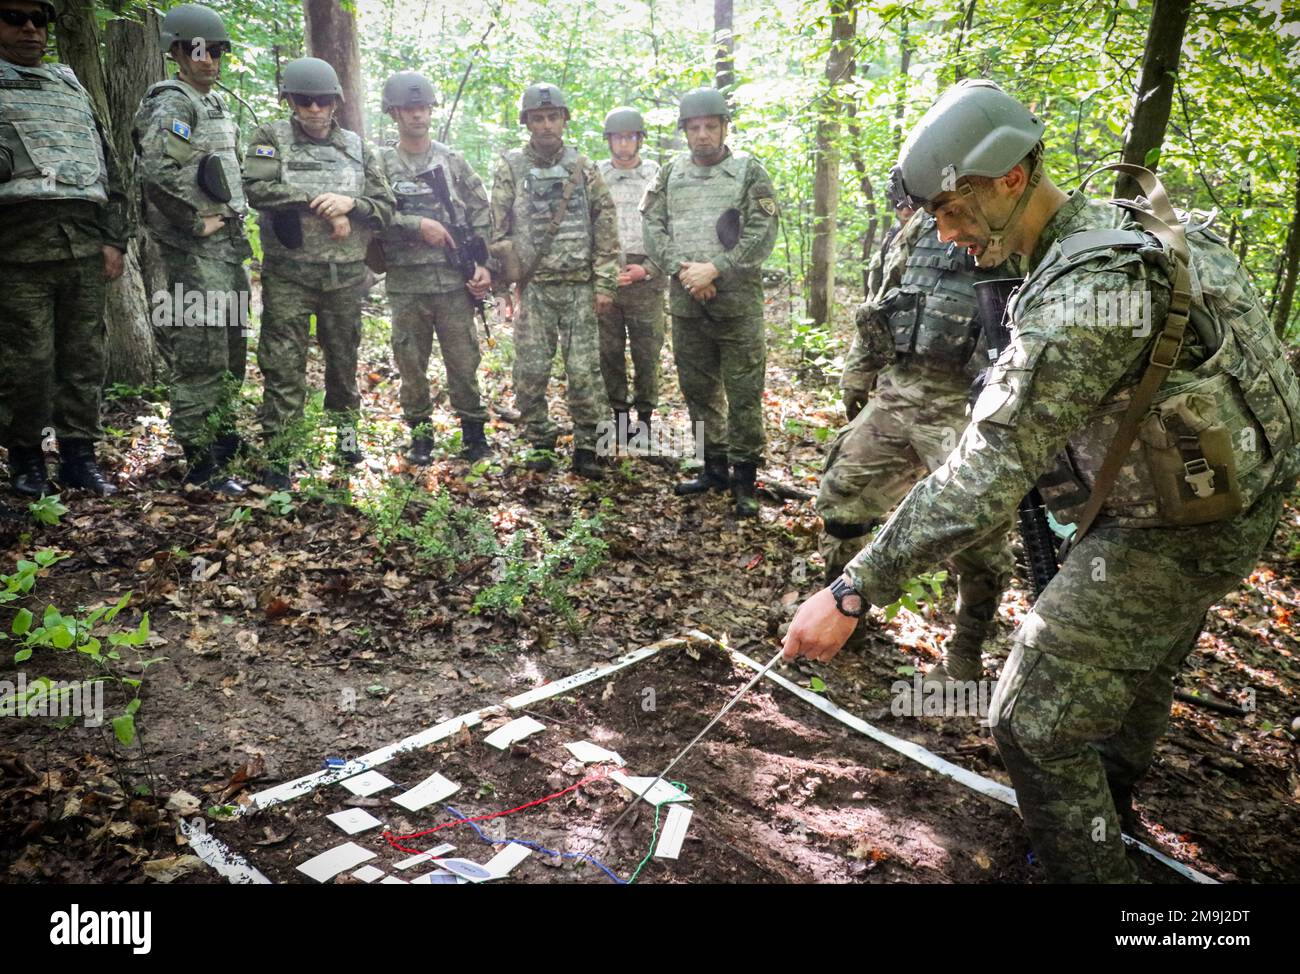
x,y
680,786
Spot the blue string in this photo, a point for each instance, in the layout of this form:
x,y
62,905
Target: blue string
x,y
542,849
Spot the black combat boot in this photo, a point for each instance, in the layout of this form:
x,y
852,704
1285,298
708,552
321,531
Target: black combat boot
x,y
1122,795
79,469
473,442
743,476
543,458
712,477
27,474
276,476
623,431
204,469
586,465
420,453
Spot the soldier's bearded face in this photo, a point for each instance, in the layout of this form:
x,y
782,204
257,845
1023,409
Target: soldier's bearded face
x,y
205,69
413,120
546,126
26,44
624,146
706,136
315,117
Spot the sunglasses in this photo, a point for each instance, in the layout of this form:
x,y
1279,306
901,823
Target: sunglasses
x,y
16,18
306,101
215,50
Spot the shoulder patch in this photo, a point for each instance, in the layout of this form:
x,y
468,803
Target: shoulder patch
x,y
180,128
264,151
767,205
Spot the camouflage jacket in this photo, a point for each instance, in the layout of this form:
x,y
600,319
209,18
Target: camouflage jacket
x,y
672,218
1059,379
602,218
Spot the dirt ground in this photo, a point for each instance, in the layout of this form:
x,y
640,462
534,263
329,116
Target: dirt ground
x,y
290,635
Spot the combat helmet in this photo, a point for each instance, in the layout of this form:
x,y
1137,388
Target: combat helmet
x,y
541,95
407,88
702,101
191,21
624,121
310,76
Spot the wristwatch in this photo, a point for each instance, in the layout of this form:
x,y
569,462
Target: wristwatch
x,y
847,599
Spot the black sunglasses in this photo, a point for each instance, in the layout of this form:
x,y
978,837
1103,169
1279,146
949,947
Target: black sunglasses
x,y
16,18
214,50
306,101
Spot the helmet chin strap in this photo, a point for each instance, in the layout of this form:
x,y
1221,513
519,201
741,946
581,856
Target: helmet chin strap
x,y
995,252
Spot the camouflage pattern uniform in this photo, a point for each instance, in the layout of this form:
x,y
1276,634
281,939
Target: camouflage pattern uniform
x,y
558,302
284,170
427,292
720,345
61,204
1087,689
638,316
922,322
174,129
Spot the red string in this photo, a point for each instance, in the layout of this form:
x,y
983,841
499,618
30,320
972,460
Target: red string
x,y
395,840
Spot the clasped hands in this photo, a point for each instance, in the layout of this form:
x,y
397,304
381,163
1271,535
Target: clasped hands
x,y
698,277
334,209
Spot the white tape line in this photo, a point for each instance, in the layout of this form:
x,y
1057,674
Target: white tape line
x,y
916,752
587,676
222,858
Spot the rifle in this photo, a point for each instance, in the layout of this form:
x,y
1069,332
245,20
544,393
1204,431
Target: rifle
x,y
471,249
1040,546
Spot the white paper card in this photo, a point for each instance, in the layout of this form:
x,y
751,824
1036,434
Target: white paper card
x,y
432,789
589,753
368,874
425,856
354,820
438,877
673,832
505,860
516,730
393,881
364,785
329,864
661,792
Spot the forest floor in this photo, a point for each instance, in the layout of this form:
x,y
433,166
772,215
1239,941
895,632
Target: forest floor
x,y
284,630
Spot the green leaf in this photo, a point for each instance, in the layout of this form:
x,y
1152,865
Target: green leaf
x,y
62,637
133,706
22,622
124,729
1152,157
816,685
22,656
121,604
905,670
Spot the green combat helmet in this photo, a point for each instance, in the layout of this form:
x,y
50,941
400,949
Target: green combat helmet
x,y
703,101
624,121
407,89
191,21
310,76
541,96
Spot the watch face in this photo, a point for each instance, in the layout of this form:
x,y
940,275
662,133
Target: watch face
x,y
852,604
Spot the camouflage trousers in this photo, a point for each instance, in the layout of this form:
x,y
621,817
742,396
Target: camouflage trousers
x,y
637,320
204,346
721,368
563,315
906,430
1086,692
52,332
416,318
332,294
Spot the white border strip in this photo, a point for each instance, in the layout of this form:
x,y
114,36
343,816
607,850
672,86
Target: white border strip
x,y
221,857
976,782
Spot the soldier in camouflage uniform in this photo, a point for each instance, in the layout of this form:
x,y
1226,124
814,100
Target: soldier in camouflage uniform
x,y
321,194
920,345
572,274
193,201
427,291
65,225
638,315
1194,499
710,222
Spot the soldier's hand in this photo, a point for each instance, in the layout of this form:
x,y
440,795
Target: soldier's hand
x,y
331,205
695,275
604,304
632,274
854,401
819,629
211,224
341,228
113,263
706,293
480,283
435,234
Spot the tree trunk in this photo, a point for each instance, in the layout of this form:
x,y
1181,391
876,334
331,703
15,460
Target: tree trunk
x,y
1286,283
1155,89
724,44
904,65
332,36
826,177
130,346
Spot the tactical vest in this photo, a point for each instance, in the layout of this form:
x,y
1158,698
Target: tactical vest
x,y
214,131
933,315
316,168
537,194
697,197
415,197
628,186
58,154
1220,432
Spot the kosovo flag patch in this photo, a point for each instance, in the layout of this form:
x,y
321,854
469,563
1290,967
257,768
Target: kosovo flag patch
x,y
265,151
181,129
